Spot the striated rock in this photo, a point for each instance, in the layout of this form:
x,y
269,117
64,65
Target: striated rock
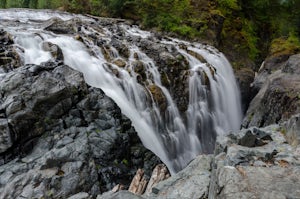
x,y
267,171
159,174
139,183
117,188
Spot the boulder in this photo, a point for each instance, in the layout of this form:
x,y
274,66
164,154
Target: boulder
x,y
54,49
59,26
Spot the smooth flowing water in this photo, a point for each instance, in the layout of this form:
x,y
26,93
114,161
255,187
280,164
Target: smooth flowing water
x,y
213,101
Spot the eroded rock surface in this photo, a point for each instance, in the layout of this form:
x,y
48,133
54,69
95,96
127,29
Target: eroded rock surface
x,y
270,170
59,137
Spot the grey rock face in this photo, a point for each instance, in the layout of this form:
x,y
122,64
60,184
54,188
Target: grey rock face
x,y
291,128
59,137
192,182
5,136
278,99
267,171
245,78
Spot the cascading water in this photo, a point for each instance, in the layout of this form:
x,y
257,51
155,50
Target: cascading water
x,y
176,136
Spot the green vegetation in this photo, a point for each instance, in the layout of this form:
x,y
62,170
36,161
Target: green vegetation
x,y
285,45
255,29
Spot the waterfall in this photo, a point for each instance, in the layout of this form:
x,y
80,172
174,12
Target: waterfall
x,y
176,136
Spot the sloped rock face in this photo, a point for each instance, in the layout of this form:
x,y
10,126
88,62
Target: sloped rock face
x,y
191,182
59,137
278,99
267,171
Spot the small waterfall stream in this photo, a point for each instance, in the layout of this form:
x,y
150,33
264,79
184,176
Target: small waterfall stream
x,y
213,105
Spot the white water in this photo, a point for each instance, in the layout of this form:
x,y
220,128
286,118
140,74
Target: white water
x,y
214,107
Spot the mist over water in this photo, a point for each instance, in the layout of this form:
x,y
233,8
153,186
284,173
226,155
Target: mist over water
x,y
213,100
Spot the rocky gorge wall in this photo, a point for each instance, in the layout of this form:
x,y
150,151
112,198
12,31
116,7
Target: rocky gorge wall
x,y
66,139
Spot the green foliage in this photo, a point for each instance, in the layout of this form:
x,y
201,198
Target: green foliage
x,y
14,3
285,46
229,4
2,3
168,15
42,4
249,26
249,34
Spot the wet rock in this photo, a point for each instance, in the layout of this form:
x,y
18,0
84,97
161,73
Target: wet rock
x,y
197,55
120,63
158,97
5,38
59,26
121,47
54,49
9,57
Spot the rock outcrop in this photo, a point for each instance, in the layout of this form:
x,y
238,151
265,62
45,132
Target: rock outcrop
x,y
59,137
242,168
278,98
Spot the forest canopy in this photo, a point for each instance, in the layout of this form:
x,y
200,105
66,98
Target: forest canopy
x,y
254,25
